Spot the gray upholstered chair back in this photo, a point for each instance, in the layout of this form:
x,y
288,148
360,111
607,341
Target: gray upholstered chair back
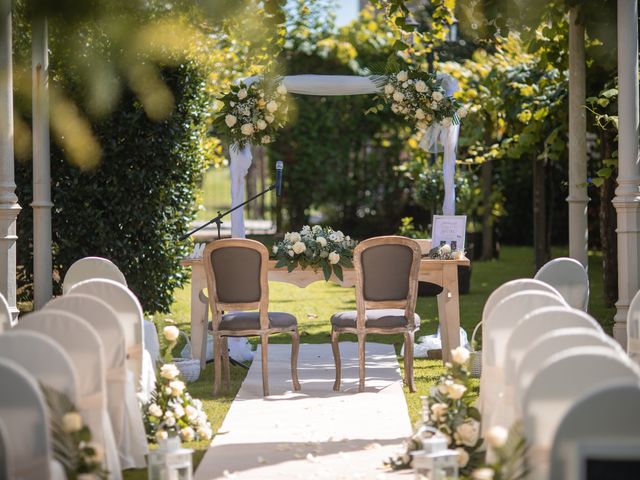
x,y
237,274
386,270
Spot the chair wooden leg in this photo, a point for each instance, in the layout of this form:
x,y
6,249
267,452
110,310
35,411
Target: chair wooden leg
x,y
295,348
336,358
225,364
217,360
265,367
361,339
408,359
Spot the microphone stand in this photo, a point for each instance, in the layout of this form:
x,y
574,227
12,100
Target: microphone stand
x,y
218,221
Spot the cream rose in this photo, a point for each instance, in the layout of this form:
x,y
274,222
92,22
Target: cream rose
x,y
169,371
434,105
282,90
419,114
388,89
438,411
497,436
269,118
294,237
161,435
98,454
177,388
395,108
460,355
242,94
334,258
170,422
299,248
402,76
456,391
266,139
446,122
187,434
275,249
463,457
437,96
420,86
247,129
154,410
230,120
462,112
483,474
468,433
171,333
205,433
321,241
398,96
178,411
444,249
71,422
272,106
191,412
261,124
457,255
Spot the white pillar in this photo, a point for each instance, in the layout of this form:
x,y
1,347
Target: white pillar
x,y
9,207
627,199
577,199
42,262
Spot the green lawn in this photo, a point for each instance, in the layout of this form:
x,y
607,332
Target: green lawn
x,y
315,304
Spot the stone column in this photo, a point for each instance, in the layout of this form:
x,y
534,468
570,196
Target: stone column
x,y
42,262
9,207
627,199
577,199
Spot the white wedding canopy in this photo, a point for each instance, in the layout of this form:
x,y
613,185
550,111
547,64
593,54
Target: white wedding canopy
x,y
335,85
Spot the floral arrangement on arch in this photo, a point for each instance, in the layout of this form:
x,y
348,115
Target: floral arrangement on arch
x,y
448,408
419,98
252,113
172,411
316,247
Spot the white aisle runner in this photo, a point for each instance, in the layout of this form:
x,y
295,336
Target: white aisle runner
x,y
315,433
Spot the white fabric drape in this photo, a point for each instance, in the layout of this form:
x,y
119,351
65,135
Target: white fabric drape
x,y
333,85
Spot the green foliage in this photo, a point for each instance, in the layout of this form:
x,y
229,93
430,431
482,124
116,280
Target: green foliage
x,y
133,207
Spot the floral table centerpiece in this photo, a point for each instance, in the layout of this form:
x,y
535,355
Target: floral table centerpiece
x,y
315,247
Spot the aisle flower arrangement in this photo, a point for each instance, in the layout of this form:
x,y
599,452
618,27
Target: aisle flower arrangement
x,y
449,409
419,98
71,439
317,248
445,252
171,410
252,113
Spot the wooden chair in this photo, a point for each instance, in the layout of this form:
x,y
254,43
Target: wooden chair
x,y
237,281
386,292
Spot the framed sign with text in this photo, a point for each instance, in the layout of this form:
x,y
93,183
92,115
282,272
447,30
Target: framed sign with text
x,y
449,229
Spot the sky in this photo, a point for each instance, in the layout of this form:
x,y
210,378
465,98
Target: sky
x,y
347,10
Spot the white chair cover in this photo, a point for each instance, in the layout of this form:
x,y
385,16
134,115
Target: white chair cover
x,y
6,319
122,402
129,311
89,268
633,328
555,387
570,278
5,468
84,347
605,423
528,330
24,414
151,341
495,332
515,286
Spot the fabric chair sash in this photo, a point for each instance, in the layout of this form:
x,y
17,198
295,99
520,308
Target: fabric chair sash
x,y
94,401
135,351
118,374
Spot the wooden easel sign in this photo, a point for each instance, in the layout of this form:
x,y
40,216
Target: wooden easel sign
x,y
450,229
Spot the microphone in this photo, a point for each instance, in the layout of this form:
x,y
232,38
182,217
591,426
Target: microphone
x,y
279,167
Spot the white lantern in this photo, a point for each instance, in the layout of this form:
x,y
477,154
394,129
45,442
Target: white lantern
x,y
170,462
435,461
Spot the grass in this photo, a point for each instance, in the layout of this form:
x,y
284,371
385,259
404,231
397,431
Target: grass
x,y
314,305
216,192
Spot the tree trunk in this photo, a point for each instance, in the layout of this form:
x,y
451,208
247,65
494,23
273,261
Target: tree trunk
x,y
608,240
486,184
540,237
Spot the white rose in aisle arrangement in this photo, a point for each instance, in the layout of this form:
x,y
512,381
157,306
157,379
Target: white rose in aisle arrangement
x,y
242,94
437,96
462,112
420,114
456,391
468,432
434,105
420,86
98,453
155,410
287,237
177,388
483,474
167,390
230,120
170,422
171,333
290,252
187,434
261,104
324,254
334,258
71,422
247,129
169,371
178,411
282,90
261,124
402,76
192,412
405,84
269,118
161,435
457,255
205,433
272,106
395,108
388,89
398,96
421,125
463,457
266,139
299,248
460,355
246,112
444,249
274,249
446,122
438,411
295,237
321,241
497,436
339,236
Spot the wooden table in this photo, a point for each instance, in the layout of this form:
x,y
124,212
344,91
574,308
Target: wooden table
x,y
440,272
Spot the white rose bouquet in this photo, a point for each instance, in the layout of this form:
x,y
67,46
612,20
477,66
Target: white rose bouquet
x,y
419,98
317,248
449,409
252,113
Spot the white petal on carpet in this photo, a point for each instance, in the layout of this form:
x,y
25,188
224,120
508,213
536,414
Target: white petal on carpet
x,y
315,433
